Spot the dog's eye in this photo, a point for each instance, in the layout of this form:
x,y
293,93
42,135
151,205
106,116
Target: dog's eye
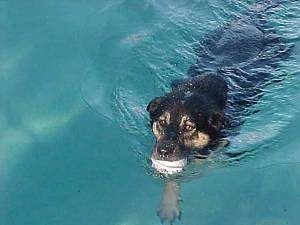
x,y
189,127
162,123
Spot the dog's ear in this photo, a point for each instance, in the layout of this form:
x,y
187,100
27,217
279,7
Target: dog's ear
x,y
216,121
154,106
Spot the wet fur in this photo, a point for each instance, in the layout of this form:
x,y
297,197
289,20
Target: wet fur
x,y
193,111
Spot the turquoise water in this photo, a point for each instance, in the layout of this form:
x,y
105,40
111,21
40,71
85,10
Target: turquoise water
x,y
75,78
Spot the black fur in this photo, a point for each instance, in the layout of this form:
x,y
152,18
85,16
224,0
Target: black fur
x,y
203,99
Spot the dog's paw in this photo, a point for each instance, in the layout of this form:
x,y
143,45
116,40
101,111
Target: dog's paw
x,y
169,209
169,213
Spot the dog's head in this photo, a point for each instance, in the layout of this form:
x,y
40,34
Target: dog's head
x,y
181,123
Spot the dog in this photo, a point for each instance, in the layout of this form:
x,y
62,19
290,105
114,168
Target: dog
x,y
223,82
188,118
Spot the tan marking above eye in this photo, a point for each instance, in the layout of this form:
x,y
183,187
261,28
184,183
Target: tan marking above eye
x,y
156,130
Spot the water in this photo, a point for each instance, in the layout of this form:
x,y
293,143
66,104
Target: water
x,y
75,80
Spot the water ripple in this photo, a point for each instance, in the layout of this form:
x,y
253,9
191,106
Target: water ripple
x,y
167,48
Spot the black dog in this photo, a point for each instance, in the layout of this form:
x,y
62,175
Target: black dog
x,y
228,77
189,117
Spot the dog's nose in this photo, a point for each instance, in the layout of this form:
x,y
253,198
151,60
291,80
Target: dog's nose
x,y
163,152
166,148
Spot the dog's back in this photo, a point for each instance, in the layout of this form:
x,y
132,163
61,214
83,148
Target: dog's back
x,y
245,53
244,44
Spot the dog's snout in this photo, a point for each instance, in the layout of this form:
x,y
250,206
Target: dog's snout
x,y
172,135
166,148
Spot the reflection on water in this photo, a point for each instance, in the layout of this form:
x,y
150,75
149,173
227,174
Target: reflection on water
x,y
38,79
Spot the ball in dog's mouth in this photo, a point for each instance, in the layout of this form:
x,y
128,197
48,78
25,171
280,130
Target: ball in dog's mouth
x,y
168,167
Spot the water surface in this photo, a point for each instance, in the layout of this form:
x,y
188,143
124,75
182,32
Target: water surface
x,y
75,80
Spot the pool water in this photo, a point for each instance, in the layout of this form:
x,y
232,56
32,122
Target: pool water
x,y
75,79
